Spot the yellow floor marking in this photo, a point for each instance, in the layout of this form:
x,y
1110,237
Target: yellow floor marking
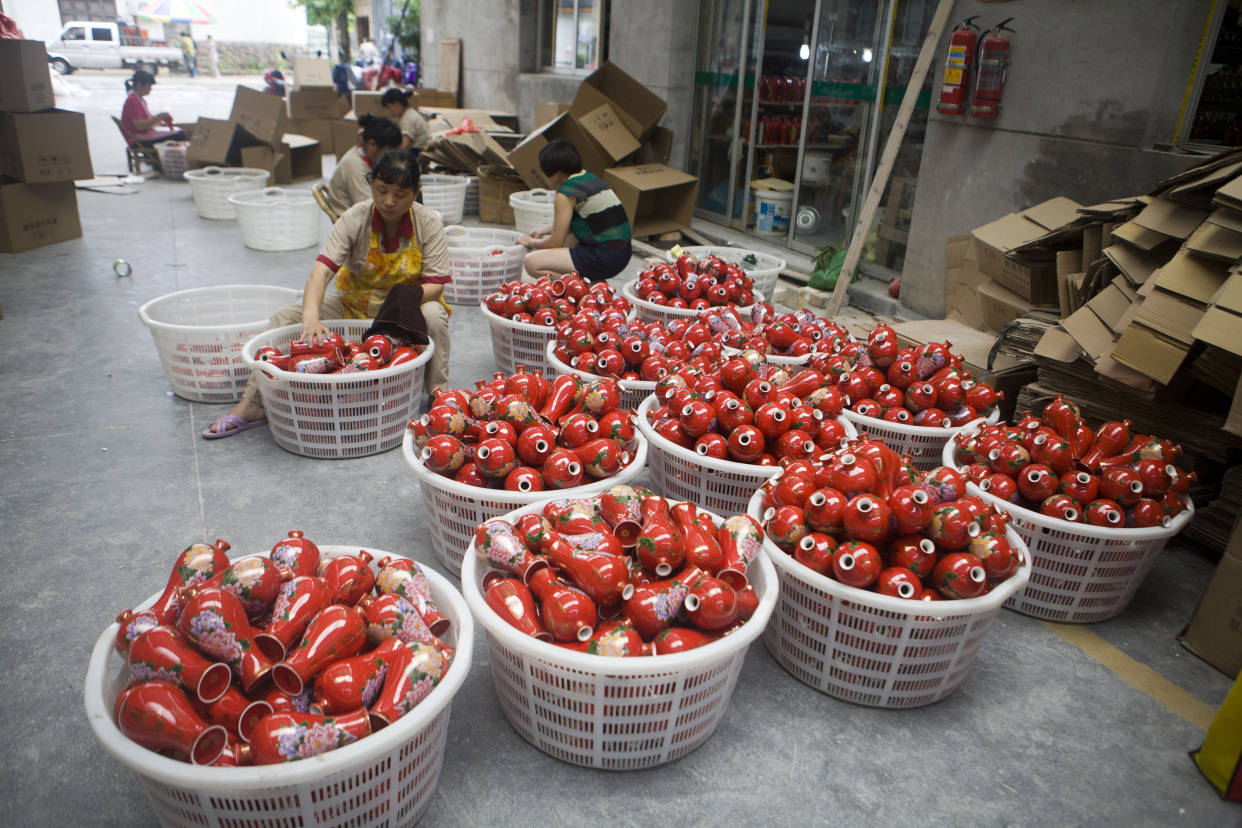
x,y
1136,674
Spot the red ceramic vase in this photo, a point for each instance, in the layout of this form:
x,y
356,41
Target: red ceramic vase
x,y
164,654
216,622
159,717
286,737
335,633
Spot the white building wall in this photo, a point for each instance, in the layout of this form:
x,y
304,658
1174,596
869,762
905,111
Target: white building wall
x,y
38,19
239,21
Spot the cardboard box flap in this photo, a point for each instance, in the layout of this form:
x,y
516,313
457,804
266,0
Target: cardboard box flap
x,y
1114,370
1009,232
260,114
1135,264
1140,236
1110,305
1170,315
607,130
1171,218
1216,242
955,250
1215,631
1054,213
1230,195
1220,328
1227,217
1058,345
1229,297
1199,191
1150,353
1194,277
482,119
657,198
1091,334
1197,171
1127,290
1110,209
525,156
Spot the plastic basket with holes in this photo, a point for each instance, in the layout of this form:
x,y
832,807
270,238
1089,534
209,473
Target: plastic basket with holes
x,y
764,270
518,343
277,219
445,194
924,444
633,392
482,260
532,209
455,509
776,359
1080,573
173,160
610,712
722,486
200,333
874,649
337,415
651,312
212,186
386,779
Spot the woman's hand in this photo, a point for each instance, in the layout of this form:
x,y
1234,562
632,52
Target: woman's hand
x,y
525,241
314,332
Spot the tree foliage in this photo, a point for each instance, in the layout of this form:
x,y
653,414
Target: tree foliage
x,y
325,12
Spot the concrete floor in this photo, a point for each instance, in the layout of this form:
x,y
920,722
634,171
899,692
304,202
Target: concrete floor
x,y
107,479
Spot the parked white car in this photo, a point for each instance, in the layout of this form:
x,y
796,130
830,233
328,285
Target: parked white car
x,y
93,44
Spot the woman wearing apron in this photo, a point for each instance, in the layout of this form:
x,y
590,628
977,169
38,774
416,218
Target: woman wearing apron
x,y
383,242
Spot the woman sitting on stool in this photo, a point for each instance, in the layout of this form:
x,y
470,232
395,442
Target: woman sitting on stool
x,y
137,121
350,182
386,241
589,233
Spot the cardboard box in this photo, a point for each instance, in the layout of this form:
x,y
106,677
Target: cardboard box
x,y
260,114
43,147
320,129
546,111
1089,331
310,72
1000,305
315,103
604,127
525,156
367,103
344,136
1009,251
219,142
297,159
1150,353
962,297
657,149
638,107
1220,328
432,99
36,215
27,85
656,197
1215,631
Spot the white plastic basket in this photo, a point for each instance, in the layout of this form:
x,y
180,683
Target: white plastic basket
x,y
1080,573
388,778
532,209
775,359
173,160
275,218
477,273
721,486
873,649
766,270
200,333
212,186
337,415
610,712
455,509
651,312
924,444
518,343
446,194
633,392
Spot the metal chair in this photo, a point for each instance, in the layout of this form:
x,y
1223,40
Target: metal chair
x,y
136,153
320,192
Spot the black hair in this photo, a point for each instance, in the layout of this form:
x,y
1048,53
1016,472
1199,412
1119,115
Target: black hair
x,y
139,76
398,168
394,95
559,156
380,130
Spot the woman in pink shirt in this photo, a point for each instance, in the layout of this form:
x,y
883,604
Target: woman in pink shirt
x,y
138,122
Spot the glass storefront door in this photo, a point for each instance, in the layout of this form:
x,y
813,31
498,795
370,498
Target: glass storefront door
x,y
793,101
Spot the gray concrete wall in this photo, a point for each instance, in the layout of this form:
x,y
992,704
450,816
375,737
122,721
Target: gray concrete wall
x,y
1091,88
653,40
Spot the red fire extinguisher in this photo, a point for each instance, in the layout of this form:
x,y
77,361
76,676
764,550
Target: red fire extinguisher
x,y
957,67
993,61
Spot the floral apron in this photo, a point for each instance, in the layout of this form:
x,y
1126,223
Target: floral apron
x,y
384,271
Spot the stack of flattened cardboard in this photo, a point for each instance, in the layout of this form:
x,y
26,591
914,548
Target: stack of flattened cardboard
x,y
614,123
316,111
42,152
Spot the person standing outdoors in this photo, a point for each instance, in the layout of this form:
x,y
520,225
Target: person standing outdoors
x,y
213,57
189,54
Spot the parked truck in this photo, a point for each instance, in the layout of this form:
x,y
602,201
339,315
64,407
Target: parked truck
x,y
91,44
